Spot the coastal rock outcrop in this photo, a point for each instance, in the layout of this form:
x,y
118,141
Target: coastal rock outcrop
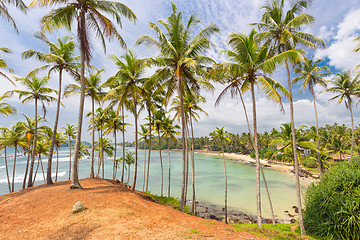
x,y
78,207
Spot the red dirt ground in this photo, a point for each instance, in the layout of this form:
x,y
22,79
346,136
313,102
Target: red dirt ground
x,y
114,212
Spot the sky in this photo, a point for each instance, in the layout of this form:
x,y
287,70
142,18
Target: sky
x,y
337,23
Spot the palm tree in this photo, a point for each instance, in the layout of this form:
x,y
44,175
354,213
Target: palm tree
x,y
220,136
93,90
158,124
255,65
42,148
36,91
281,31
5,108
145,131
87,14
60,58
15,140
5,13
346,88
311,73
70,132
130,75
170,133
129,160
4,144
83,151
181,61
113,125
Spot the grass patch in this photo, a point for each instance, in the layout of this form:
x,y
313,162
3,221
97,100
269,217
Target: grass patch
x,y
280,231
190,233
169,201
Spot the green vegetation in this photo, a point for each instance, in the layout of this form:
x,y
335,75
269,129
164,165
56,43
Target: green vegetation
x,y
333,205
280,231
169,201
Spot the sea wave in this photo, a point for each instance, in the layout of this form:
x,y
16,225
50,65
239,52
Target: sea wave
x,y
39,177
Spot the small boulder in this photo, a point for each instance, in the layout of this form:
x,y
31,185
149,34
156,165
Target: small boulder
x,y
78,207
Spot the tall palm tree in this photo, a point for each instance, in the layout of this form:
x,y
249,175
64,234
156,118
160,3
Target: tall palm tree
x,y
88,15
36,91
220,135
158,125
70,132
113,125
256,65
346,88
170,132
130,74
281,31
312,74
5,108
60,58
93,90
181,61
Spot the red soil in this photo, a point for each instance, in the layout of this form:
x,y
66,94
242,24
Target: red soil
x,y
114,212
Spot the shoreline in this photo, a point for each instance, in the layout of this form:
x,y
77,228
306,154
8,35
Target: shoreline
x,y
278,166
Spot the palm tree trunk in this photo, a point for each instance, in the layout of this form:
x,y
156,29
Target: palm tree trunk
x,y
27,163
183,132
258,198
57,163
128,175
187,160
193,208
92,174
225,176
70,157
148,163
296,162
161,165
51,150
136,144
352,133
143,187
168,146
321,167
37,168
123,144
75,184
42,169
33,148
13,177
261,168
114,172
7,171
99,155
102,151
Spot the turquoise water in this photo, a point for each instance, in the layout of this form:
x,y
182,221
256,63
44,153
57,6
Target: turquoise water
x,y
209,179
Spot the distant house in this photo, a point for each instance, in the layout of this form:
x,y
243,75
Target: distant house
x,y
340,157
206,148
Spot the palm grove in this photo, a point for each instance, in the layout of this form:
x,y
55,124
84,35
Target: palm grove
x,y
170,94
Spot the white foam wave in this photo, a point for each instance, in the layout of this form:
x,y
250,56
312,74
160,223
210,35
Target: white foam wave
x,y
39,177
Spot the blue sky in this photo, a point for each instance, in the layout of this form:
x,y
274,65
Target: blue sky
x,y
337,23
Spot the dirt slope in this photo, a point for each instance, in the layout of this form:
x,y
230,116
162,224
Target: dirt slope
x,y
114,212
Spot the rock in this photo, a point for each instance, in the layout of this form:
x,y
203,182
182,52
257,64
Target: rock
x,y
296,209
292,220
78,207
212,216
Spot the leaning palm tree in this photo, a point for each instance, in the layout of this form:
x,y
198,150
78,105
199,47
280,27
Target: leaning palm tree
x,y
221,136
59,59
36,91
312,74
88,15
346,89
256,65
5,13
181,61
281,32
93,90
3,63
130,75
5,108
70,132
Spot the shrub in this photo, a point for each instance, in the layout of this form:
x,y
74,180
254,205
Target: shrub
x,y
332,207
310,162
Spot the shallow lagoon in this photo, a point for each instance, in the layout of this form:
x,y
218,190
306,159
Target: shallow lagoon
x,y
209,179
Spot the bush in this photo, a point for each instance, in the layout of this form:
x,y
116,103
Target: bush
x,y
332,207
310,162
